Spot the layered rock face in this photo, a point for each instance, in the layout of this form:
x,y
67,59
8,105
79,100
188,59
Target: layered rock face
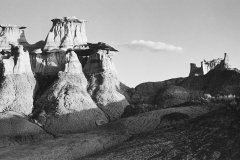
x,y
104,87
16,63
66,32
49,63
18,84
66,105
12,34
100,62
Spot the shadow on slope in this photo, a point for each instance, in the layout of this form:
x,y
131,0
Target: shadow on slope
x,y
212,136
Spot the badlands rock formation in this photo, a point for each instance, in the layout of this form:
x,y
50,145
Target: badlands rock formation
x,y
104,86
18,84
14,35
52,91
67,106
48,63
206,66
66,32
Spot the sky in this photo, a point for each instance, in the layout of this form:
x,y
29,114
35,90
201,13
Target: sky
x,y
157,39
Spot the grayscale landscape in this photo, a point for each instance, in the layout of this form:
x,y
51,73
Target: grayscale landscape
x,y
62,98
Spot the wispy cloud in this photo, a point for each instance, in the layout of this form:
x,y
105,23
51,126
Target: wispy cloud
x,y
151,46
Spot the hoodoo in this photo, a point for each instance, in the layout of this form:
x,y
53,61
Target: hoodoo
x,y
77,83
18,83
104,87
11,34
66,32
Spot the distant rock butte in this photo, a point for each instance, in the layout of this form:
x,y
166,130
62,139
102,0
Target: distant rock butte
x,y
206,66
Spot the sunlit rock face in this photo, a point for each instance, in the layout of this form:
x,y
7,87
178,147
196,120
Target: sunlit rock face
x,y
67,106
104,87
16,63
72,64
105,90
11,34
66,32
100,62
18,84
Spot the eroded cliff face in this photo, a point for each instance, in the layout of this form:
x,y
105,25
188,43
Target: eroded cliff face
x,y
104,87
100,62
49,63
11,34
18,84
66,32
66,105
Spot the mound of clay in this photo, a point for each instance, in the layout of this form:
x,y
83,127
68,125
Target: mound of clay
x,y
67,105
15,128
146,92
171,96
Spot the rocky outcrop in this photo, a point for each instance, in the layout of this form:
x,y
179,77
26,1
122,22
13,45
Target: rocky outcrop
x,y
104,90
206,66
66,32
17,129
100,62
18,84
49,63
16,63
12,34
196,71
66,105
215,82
104,87
17,92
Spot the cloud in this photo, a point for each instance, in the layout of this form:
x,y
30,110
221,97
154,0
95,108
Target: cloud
x,y
151,46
